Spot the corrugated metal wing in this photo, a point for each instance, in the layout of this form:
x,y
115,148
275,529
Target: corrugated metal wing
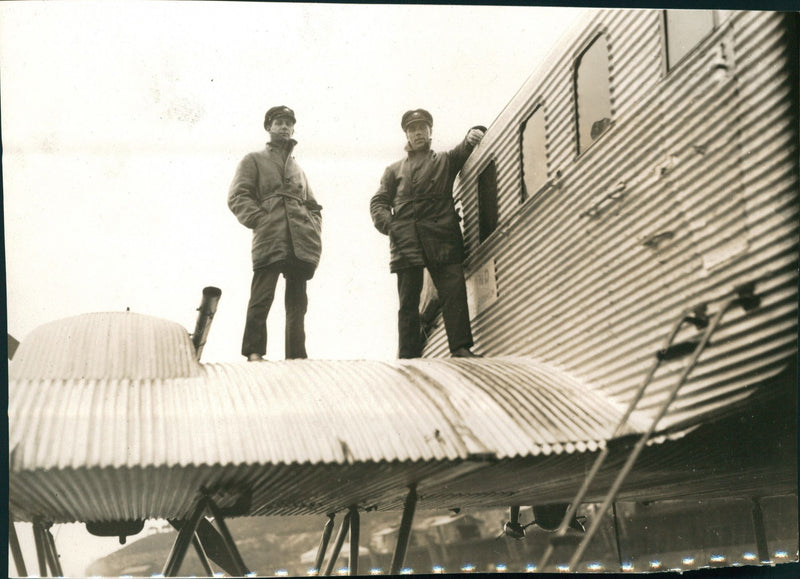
x,y
125,447
308,412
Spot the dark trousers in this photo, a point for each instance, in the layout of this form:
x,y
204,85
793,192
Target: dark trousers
x,y
262,293
449,282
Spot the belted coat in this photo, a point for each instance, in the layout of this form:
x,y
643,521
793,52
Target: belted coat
x,y
414,207
272,197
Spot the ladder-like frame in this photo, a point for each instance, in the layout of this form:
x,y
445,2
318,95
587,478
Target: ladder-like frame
x,y
696,316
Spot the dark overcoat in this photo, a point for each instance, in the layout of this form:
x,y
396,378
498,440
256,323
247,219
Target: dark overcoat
x,y
414,207
272,197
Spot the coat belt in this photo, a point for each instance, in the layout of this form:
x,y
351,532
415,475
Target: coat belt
x,y
307,202
420,198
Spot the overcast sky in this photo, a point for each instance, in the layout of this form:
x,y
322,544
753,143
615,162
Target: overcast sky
x,y
122,124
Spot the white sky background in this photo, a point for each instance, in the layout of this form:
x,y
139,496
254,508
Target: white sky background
x,y
122,124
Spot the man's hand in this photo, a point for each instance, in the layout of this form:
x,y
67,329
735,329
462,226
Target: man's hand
x,y
474,136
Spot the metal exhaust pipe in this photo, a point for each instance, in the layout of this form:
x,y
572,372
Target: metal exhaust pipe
x,y
205,315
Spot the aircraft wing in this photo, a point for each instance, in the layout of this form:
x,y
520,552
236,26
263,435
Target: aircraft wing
x,y
136,428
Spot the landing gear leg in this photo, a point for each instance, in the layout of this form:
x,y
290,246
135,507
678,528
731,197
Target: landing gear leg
x,y
52,554
230,545
209,542
760,533
186,535
16,551
355,531
337,546
323,543
405,531
201,554
41,557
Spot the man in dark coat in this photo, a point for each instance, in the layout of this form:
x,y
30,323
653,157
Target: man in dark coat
x,y
270,195
414,207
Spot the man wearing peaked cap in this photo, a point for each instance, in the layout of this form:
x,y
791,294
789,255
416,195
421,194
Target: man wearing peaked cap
x,y
277,112
414,207
270,195
416,115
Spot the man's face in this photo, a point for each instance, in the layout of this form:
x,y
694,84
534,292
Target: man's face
x,y
419,135
281,129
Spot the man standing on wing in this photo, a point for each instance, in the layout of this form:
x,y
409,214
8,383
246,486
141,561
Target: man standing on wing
x,y
270,195
414,207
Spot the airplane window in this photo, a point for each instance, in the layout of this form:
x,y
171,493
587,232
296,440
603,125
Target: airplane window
x,y
487,200
684,30
593,93
534,154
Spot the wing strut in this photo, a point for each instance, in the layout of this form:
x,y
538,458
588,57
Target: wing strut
x,y
404,534
209,542
355,532
758,528
201,554
39,541
323,543
16,551
351,523
337,546
46,552
742,296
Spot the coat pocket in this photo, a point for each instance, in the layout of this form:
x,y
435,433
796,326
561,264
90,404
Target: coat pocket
x,y
316,220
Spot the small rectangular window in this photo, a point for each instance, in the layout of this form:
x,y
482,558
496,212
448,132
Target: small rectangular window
x,y
684,30
593,92
487,200
534,153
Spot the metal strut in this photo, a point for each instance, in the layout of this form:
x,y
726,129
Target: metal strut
x,y
46,552
201,554
16,551
695,316
351,523
404,534
355,532
52,553
185,537
195,531
323,543
227,539
39,541
759,531
337,546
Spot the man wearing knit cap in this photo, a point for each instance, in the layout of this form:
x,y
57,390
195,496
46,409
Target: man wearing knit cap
x,y
414,207
270,195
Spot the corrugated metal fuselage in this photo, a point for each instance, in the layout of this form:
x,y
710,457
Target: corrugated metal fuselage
x,y
689,194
